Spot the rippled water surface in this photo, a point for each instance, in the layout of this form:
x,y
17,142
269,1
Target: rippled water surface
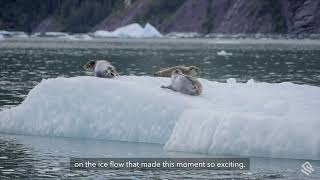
x,y
48,157
23,68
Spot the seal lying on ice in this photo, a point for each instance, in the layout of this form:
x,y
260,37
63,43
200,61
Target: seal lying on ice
x,y
167,72
101,68
184,84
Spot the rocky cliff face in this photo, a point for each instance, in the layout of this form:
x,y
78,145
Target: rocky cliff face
x,y
301,16
297,17
233,17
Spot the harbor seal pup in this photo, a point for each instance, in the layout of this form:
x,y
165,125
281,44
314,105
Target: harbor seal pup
x,y
184,84
167,72
101,68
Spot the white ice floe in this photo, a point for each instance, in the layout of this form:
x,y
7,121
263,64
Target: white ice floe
x,y
151,31
223,53
63,35
251,119
50,34
131,31
184,35
18,34
76,37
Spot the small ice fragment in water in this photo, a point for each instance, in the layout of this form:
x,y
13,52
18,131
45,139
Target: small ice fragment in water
x,y
223,53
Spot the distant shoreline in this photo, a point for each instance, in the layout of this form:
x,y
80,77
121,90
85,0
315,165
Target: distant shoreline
x,y
160,43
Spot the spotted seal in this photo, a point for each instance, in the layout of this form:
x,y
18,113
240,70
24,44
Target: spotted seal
x,y
101,68
167,72
184,83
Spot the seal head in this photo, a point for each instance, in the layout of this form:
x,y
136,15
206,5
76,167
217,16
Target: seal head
x,y
167,72
101,68
194,71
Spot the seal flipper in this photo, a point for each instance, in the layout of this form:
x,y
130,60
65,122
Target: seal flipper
x,y
168,87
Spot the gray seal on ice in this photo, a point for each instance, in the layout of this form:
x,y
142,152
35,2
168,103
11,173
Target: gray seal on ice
x,y
101,68
167,72
184,83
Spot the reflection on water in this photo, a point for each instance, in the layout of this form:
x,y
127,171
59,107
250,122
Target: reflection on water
x,y
18,161
22,69
48,157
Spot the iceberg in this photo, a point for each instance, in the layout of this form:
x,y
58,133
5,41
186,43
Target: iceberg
x,y
151,31
249,119
224,53
131,31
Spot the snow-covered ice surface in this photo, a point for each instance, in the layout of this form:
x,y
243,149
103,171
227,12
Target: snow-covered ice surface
x,y
251,119
131,31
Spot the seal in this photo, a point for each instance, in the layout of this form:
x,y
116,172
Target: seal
x,y
167,72
184,83
101,68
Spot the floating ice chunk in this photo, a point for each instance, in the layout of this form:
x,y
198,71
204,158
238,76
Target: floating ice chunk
x,y
259,119
184,35
245,133
5,33
126,109
223,53
56,34
1,37
103,34
76,37
50,34
131,31
19,34
81,37
151,31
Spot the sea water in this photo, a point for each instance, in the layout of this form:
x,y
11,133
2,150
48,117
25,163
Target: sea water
x,y
42,148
